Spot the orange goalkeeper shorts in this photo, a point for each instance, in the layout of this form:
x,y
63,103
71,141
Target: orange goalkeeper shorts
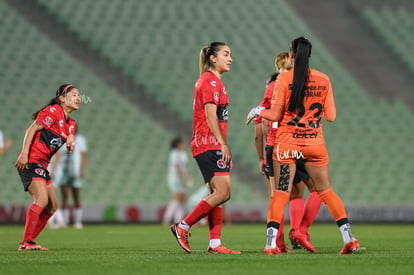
x,y
315,155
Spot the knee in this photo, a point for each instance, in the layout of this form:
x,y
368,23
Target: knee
x,y
41,201
226,196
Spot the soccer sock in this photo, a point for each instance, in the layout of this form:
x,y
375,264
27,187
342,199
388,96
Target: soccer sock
x,y
271,233
43,218
32,219
58,216
78,215
312,205
200,211
334,204
295,212
66,214
277,206
215,221
345,230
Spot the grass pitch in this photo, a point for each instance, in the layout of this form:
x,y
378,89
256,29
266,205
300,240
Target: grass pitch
x,y
151,249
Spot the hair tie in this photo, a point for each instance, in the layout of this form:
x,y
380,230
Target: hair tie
x,y
64,90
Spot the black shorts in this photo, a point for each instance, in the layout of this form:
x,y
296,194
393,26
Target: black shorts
x,y
301,173
35,172
268,169
211,164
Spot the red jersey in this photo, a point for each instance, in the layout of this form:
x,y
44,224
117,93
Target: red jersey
x,y
56,129
208,89
267,103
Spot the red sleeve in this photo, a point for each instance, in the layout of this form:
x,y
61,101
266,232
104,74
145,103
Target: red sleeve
x,y
258,120
210,92
267,98
47,116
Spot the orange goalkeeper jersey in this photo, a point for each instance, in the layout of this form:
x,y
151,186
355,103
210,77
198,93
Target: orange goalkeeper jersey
x,y
304,126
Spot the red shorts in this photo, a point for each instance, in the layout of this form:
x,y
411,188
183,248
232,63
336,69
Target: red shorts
x,y
315,155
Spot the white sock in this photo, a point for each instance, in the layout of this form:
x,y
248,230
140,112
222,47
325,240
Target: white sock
x,y
180,212
271,237
169,212
215,243
78,215
65,215
184,225
58,217
346,232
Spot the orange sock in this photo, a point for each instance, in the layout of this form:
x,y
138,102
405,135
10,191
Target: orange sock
x,y
277,206
334,204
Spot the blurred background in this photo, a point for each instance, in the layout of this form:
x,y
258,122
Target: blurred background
x,y
136,62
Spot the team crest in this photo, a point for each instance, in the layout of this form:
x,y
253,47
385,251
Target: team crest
x,y
39,171
216,96
221,164
48,121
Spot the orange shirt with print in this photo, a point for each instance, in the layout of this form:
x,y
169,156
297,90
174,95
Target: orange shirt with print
x,y
302,127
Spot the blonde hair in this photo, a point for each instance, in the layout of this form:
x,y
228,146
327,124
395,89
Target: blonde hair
x,y
283,62
204,62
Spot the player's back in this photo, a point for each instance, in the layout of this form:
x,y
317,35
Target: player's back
x,y
304,126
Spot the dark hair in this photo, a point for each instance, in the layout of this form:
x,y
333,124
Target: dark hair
x,y
301,48
176,141
63,90
271,78
204,63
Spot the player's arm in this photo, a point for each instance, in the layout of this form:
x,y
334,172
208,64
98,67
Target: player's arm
x,y
70,143
84,157
275,113
213,123
258,140
329,113
22,160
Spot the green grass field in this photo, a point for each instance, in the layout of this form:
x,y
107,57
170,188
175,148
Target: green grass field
x,y
151,249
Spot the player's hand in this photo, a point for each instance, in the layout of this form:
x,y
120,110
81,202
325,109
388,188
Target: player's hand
x,y
22,162
262,166
70,144
254,112
226,154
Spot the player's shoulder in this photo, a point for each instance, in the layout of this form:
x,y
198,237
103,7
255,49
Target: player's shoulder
x,y
210,79
319,74
285,77
54,109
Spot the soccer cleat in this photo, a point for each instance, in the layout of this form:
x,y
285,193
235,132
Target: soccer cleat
x,y
303,240
30,245
221,250
293,242
271,251
182,237
283,248
78,226
350,248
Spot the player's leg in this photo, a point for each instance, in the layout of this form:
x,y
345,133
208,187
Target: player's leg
x,y
284,174
37,190
181,209
64,189
311,209
320,178
78,212
48,211
296,209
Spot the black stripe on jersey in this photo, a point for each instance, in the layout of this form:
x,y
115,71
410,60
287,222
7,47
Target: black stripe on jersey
x,y
223,112
51,139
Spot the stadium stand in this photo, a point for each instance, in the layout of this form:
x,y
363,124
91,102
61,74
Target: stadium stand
x,y
123,166
395,25
146,40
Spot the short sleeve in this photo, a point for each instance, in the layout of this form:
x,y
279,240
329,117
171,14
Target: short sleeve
x,y
81,143
210,92
1,140
279,93
47,116
258,120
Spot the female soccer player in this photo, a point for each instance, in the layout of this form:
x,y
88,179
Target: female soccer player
x,y
52,127
302,97
178,181
209,146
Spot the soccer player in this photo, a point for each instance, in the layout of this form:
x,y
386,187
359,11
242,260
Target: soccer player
x,y
302,97
52,127
209,146
178,182
5,144
68,171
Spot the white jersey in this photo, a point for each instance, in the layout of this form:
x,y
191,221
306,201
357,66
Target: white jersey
x,y
180,158
1,139
71,165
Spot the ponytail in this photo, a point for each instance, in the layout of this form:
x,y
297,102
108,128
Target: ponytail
x,y
63,90
204,63
301,48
